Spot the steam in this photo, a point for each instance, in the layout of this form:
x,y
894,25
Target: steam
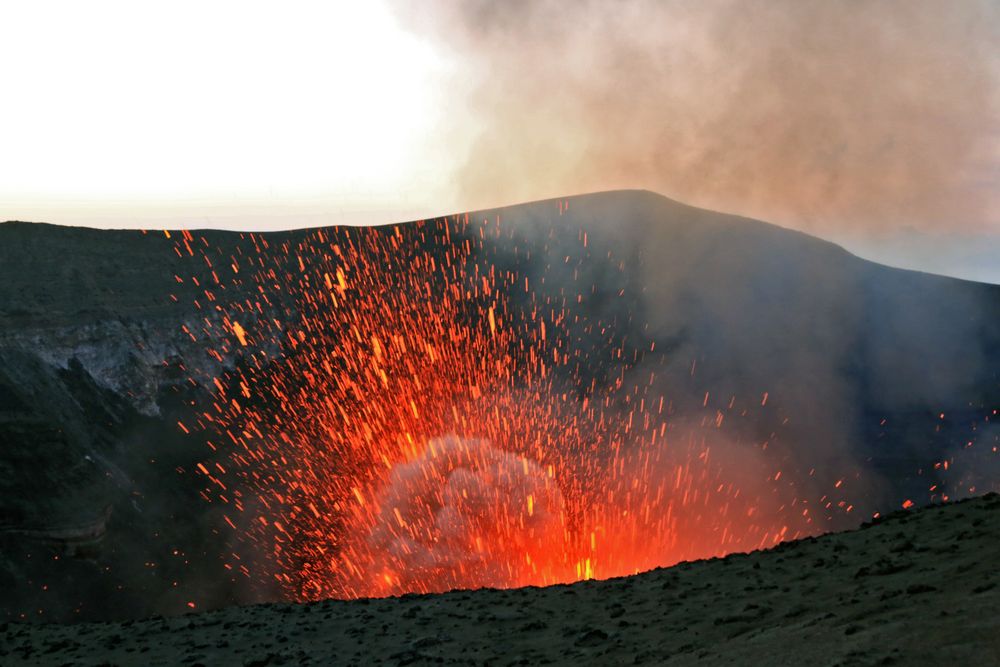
x,y
827,117
462,510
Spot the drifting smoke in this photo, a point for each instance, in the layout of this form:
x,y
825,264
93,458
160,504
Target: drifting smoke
x,y
824,116
442,515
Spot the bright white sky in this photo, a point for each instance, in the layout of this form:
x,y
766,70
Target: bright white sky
x,y
265,115
221,113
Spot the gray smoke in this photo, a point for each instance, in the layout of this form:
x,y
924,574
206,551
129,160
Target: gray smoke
x,y
824,116
465,507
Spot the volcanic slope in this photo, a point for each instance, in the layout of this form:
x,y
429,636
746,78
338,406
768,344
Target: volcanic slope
x,y
863,381
914,588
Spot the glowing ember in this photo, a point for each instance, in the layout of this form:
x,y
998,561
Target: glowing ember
x,y
396,425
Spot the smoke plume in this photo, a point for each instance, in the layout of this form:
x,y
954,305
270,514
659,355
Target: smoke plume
x,y
463,511
824,116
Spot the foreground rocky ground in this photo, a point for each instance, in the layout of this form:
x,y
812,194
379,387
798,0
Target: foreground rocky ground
x,y
915,588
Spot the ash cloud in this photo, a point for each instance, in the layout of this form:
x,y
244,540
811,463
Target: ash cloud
x,y
461,511
824,116
839,366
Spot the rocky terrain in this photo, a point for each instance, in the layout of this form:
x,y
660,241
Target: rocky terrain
x,y
918,587
872,374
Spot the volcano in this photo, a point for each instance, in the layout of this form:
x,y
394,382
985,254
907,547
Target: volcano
x,y
198,419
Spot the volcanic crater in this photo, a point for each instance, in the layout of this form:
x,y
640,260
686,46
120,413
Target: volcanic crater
x,y
581,388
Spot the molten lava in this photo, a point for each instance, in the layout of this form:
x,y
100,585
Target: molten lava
x,y
443,517
395,424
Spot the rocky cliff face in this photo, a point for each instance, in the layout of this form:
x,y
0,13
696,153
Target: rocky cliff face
x,y
95,371
113,301
130,359
103,350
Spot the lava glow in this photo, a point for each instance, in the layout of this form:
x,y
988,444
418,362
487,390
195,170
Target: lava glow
x,y
396,423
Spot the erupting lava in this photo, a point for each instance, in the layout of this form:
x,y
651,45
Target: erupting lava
x,y
442,515
397,423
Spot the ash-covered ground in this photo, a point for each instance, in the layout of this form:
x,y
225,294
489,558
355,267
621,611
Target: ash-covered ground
x,y
916,588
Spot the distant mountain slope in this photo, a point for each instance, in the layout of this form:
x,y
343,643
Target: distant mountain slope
x,y
848,370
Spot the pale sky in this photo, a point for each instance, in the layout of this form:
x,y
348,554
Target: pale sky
x,y
876,125
125,113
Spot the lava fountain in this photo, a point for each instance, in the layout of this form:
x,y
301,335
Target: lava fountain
x,y
462,512
396,422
